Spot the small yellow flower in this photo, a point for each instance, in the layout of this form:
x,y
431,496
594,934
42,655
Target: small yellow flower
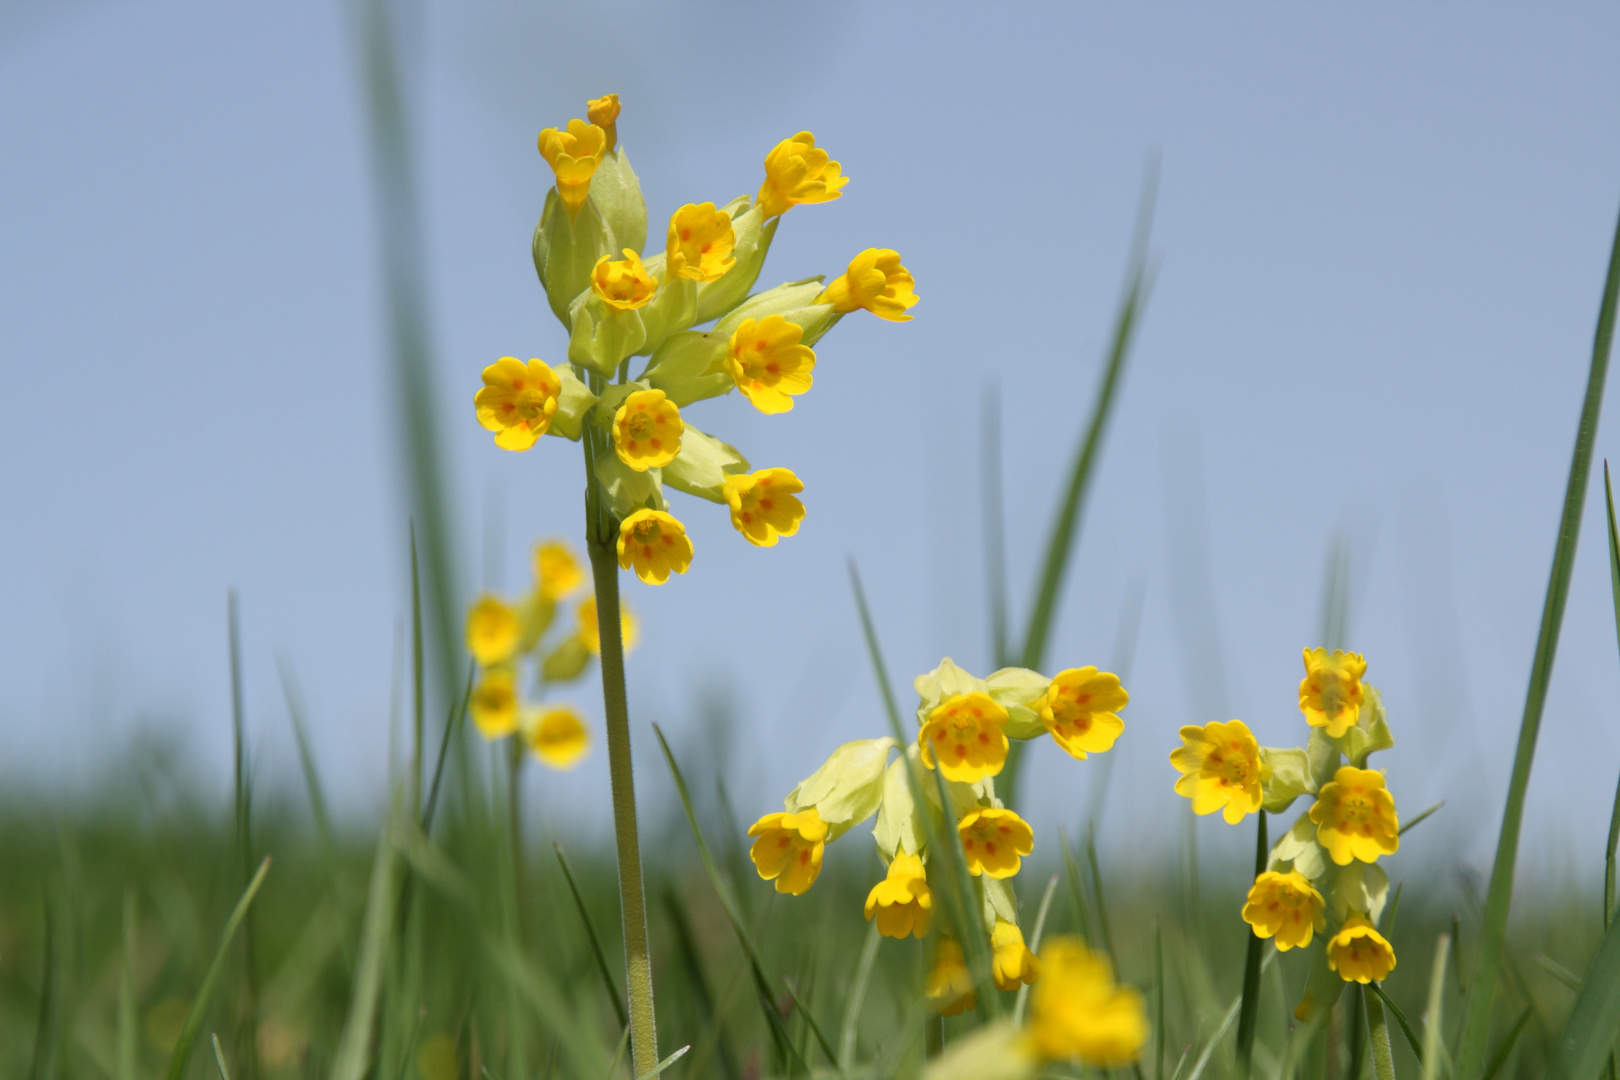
x,y
796,172
1355,816
994,840
789,849
700,243
1284,906
517,401
604,113
1330,695
1077,1012
574,155
655,544
623,285
557,572
1359,953
902,902
763,506
590,633
949,986
1223,769
1013,964
557,736
768,364
493,630
647,430
965,734
1080,710
875,281
494,704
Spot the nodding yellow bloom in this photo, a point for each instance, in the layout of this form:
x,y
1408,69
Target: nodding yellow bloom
x,y
604,113
590,632
1284,906
654,543
494,704
763,506
574,155
624,285
647,430
557,736
993,840
1330,695
789,849
949,986
557,572
1077,1011
875,281
768,364
1359,953
964,733
1355,816
493,630
1080,710
796,172
700,243
1223,769
902,903
1013,964
518,401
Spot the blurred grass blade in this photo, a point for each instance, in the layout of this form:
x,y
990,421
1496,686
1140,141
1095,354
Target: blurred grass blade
x,y
219,1059
452,723
1433,1024
1614,815
995,524
353,1059
1407,1030
1588,1036
1424,816
1035,946
666,1063
247,1043
1077,896
1158,1003
853,1008
1249,1017
1388,922
306,758
40,1065
1383,1053
128,1046
199,1007
697,981
1499,897
595,940
1500,1058
1103,926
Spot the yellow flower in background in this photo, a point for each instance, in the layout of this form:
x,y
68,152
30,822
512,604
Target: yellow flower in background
x,y
1284,906
518,401
763,507
789,849
647,430
493,630
557,736
604,113
1222,768
949,986
494,704
994,840
1355,816
1080,710
1077,1012
574,155
965,734
590,632
797,172
699,244
1330,695
902,903
1359,953
768,364
624,285
655,544
1013,963
557,572
875,281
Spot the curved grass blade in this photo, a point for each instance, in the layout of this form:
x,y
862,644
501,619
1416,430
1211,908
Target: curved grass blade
x,y
666,1063
857,995
127,1005
1421,817
39,1066
1432,1022
1588,1035
199,1008
219,1059
1614,815
1500,1058
1412,1040
594,939
1035,947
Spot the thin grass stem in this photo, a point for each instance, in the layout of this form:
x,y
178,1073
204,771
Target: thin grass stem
x,y
1249,1017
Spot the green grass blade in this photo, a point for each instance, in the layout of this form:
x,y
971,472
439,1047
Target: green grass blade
x,y
1412,1041
697,983
1420,818
850,1031
666,1063
219,1059
594,938
1103,926
995,525
127,1004
247,1043
418,680
1077,896
1614,815
199,1007
1248,1018
1394,909
1378,1027
452,724
353,1058
306,758
40,1065
1499,896
1588,1037
1035,946
1158,1003
1500,1058
1559,972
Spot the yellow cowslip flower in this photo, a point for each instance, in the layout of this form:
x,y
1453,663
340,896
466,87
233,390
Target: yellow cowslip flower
x,y
1330,695
1013,963
768,364
494,703
557,736
1080,710
493,630
1284,906
1355,816
949,986
574,155
604,113
1223,769
796,172
993,840
1077,1012
590,632
624,285
965,733
1359,953
655,544
875,281
699,244
789,849
557,572
518,401
647,430
763,507
902,903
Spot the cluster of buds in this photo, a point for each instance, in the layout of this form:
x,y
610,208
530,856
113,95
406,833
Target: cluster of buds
x,y
618,303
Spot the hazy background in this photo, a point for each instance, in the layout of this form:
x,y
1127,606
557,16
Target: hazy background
x,y
1383,235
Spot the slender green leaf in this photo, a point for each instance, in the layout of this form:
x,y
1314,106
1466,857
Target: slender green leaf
x,y
1035,946
205,994
1412,1041
1500,1058
1424,816
249,1024
853,1008
1378,1027
40,1065
1588,1035
1103,925
1559,971
1614,815
1077,896
1248,1018
127,1004
1433,1024
594,938
219,1059
995,524
666,1063
1158,1003
353,1058
306,760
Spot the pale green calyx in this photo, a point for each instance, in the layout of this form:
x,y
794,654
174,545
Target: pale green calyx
x,y
702,466
617,194
1361,887
753,242
795,301
1018,690
690,366
573,403
898,826
1298,850
1290,777
601,337
566,250
848,787
998,900
1371,731
626,490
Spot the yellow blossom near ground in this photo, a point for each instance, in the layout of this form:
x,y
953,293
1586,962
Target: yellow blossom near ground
x,y
647,430
1080,709
766,361
574,154
557,572
557,736
797,172
590,632
993,841
699,244
1013,964
902,903
789,849
1284,906
604,113
763,507
949,987
875,281
1330,695
623,285
1078,1013
1359,953
1222,769
517,401
493,630
494,703
654,543
965,734
1355,816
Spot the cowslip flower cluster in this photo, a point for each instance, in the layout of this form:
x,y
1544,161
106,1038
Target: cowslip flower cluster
x,y
619,301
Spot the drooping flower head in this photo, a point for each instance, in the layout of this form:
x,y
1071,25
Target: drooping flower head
x,y
789,849
964,735
557,736
590,631
655,544
949,986
1359,953
902,903
1284,906
763,506
768,364
557,572
517,401
1013,964
1222,769
797,172
574,155
1330,695
875,281
604,113
647,430
1077,1012
624,285
493,630
993,841
700,242
494,703
1080,709
1355,816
